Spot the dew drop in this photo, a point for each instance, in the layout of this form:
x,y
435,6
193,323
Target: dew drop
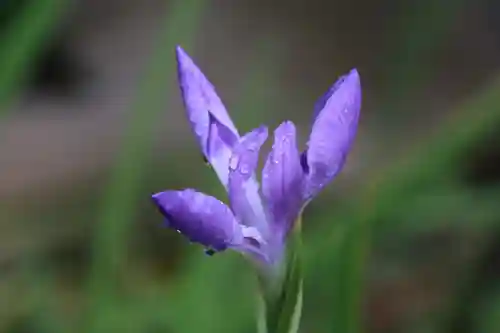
x,y
233,162
244,169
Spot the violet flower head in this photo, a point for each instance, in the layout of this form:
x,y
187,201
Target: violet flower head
x,y
257,220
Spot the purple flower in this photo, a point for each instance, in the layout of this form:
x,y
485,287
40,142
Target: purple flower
x,y
257,222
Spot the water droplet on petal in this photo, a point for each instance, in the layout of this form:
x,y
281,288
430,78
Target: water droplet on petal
x,y
244,169
233,162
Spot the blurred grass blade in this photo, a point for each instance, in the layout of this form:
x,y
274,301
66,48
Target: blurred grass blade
x,y
22,42
121,195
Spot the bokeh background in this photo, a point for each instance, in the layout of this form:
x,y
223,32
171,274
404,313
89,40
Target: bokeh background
x,y
407,238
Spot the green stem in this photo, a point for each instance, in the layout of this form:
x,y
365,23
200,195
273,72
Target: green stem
x,y
281,293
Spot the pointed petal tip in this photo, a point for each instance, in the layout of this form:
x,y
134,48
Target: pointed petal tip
x,y
354,72
257,136
262,131
186,65
179,51
183,59
354,76
165,198
285,127
350,81
159,201
346,87
353,83
155,197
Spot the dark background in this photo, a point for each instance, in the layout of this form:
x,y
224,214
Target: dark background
x,y
407,238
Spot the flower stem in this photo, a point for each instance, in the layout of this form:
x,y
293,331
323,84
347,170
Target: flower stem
x,y
280,301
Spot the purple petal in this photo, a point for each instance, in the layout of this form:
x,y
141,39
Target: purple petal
x,y
201,218
282,178
321,102
214,130
243,188
332,132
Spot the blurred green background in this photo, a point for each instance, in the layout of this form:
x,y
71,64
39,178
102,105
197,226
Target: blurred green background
x,y
407,238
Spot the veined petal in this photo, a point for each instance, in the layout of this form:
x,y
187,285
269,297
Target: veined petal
x,y
282,178
333,131
214,129
201,218
243,188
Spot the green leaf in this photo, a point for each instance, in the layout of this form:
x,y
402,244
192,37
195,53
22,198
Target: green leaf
x,y
281,301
